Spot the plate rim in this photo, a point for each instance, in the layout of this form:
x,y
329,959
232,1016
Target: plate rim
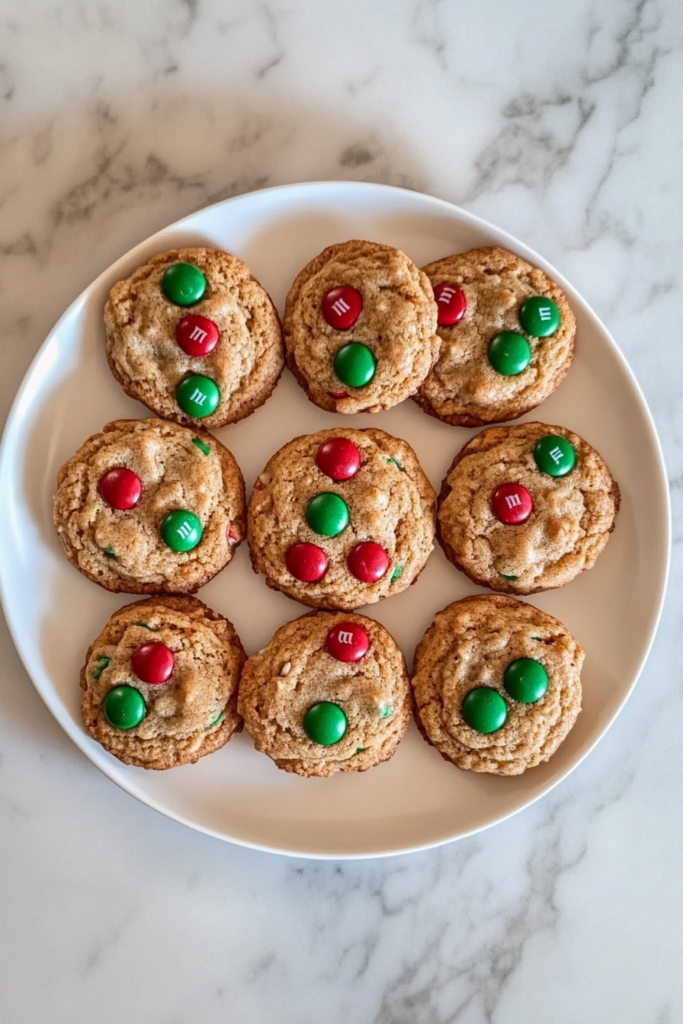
x,y
515,245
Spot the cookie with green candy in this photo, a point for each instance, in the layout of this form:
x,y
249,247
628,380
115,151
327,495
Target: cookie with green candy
x,y
360,327
526,508
507,338
329,693
160,683
497,684
150,507
194,337
341,518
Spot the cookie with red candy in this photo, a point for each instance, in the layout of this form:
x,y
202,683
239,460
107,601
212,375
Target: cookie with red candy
x,y
526,508
329,693
360,327
150,507
160,683
341,518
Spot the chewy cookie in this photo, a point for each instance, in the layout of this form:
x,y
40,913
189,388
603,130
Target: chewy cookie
x,y
341,519
360,328
330,693
160,683
150,507
194,337
497,684
526,508
507,338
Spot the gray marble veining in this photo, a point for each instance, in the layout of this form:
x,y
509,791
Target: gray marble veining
x,y
558,122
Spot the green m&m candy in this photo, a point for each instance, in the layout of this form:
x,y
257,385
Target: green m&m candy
x,y
325,723
539,316
554,455
509,353
355,365
327,514
181,530
484,709
525,680
183,284
124,707
197,395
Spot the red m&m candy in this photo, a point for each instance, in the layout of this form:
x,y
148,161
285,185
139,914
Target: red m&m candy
x,y
306,562
121,489
348,641
153,663
512,504
451,303
368,562
196,335
341,307
338,458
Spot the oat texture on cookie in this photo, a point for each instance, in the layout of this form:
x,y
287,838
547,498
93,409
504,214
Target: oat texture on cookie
x,y
360,327
497,684
341,519
194,336
160,683
507,338
148,506
330,693
526,508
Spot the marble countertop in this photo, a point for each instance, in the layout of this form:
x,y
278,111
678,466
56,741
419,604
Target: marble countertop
x,y
559,123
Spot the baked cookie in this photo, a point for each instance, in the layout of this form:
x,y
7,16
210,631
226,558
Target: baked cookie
x,y
526,508
160,683
341,519
330,693
360,328
507,338
194,337
150,507
497,684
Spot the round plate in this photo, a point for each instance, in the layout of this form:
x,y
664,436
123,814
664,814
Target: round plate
x,y
415,800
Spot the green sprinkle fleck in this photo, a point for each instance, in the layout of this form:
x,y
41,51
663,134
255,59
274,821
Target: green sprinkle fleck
x,y
385,711
217,718
360,750
200,444
146,625
109,552
506,577
100,666
396,574
537,638
396,463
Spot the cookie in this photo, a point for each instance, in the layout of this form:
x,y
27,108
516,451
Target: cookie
x,y
194,337
330,693
497,684
507,338
360,328
160,683
150,507
526,508
341,519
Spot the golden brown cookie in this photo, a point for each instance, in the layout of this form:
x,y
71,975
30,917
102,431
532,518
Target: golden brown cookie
x,y
330,693
150,507
526,508
497,684
194,337
339,519
160,683
507,338
360,328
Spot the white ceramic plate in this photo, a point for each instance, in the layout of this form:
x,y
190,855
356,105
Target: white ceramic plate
x,y
416,800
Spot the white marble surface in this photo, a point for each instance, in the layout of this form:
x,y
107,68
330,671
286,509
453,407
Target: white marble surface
x,y
560,122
